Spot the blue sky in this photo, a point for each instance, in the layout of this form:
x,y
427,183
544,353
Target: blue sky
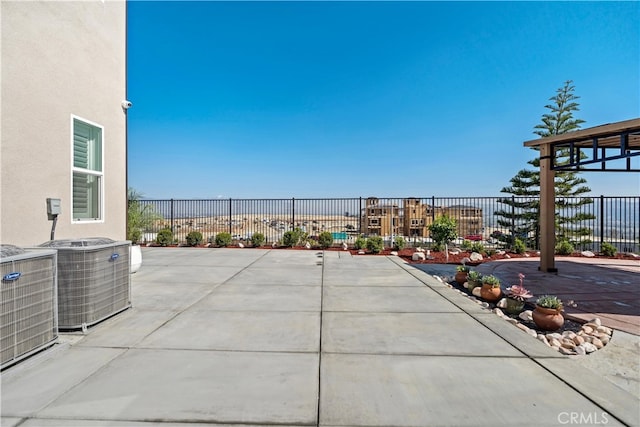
x,y
349,99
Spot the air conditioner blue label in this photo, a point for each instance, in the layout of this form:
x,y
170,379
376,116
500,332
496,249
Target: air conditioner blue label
x,y
11,277
114,256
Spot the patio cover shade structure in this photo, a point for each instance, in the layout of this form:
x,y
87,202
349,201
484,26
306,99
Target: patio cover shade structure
x,y
589,150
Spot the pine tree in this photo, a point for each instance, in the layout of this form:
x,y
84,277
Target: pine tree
x,y
522,217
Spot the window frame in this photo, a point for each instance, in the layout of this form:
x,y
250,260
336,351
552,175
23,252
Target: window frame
x,y
100,174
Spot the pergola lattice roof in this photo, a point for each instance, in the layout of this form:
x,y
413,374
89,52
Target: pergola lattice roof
x,y
596,146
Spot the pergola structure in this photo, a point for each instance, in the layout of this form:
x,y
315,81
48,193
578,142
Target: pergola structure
x,y
589,150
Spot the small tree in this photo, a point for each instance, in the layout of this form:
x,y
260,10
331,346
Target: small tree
x,y
523,215
139,218
443,230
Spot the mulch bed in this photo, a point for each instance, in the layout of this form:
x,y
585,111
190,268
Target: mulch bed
x,y
438,257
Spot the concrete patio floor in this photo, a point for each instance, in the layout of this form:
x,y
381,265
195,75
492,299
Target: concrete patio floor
x,y
302,338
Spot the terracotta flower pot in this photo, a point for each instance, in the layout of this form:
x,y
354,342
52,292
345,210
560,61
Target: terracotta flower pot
x,y
549,319
461,277
489,293
514,306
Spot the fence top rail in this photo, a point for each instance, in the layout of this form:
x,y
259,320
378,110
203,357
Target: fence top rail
x,y
384,198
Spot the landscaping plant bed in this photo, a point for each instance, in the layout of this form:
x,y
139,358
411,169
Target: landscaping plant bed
x,y
456,256
571,338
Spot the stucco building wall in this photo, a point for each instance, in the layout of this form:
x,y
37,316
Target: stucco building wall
x,y
60,59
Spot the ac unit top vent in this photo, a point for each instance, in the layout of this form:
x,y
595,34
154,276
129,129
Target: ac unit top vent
x,y
73,243
10,250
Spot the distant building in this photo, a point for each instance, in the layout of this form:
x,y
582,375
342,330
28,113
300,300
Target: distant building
x,y
381,220
468,218
415,217
63,119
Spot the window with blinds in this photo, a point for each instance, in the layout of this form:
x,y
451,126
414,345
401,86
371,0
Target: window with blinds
x,y
87,171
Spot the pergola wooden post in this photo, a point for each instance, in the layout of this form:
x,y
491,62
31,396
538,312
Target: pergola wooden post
x,y
547,210
618,142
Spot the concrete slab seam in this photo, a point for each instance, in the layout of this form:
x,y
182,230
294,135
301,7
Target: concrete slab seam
x,y
320,341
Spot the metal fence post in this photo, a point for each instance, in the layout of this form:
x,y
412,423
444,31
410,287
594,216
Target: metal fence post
x,y
433,209
601,220
513,221
360,215
230,218
293,213
171,206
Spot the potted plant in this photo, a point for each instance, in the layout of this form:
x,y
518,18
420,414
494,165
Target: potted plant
x,y
490,290
548,313
516,296
474,279
461,273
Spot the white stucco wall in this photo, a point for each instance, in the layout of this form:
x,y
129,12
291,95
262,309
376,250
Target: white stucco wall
x,y
59,59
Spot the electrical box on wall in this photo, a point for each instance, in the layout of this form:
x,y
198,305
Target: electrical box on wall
x,y
53,208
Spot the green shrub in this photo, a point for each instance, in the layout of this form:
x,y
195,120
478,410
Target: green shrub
x,y
477,247
294,237
325,239
438,247
564,247
257,240
375,244
608,249
194,238
223,239
360,243
519,246
399,243
289,238
164,237
302,236
466,244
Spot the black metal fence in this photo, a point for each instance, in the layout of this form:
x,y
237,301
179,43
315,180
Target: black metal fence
x,y
495,221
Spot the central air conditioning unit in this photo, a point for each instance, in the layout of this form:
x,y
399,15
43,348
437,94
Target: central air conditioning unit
x,y
28,317
93,280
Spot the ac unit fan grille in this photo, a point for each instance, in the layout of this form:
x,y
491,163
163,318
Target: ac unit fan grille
x,y
28,318
93,284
